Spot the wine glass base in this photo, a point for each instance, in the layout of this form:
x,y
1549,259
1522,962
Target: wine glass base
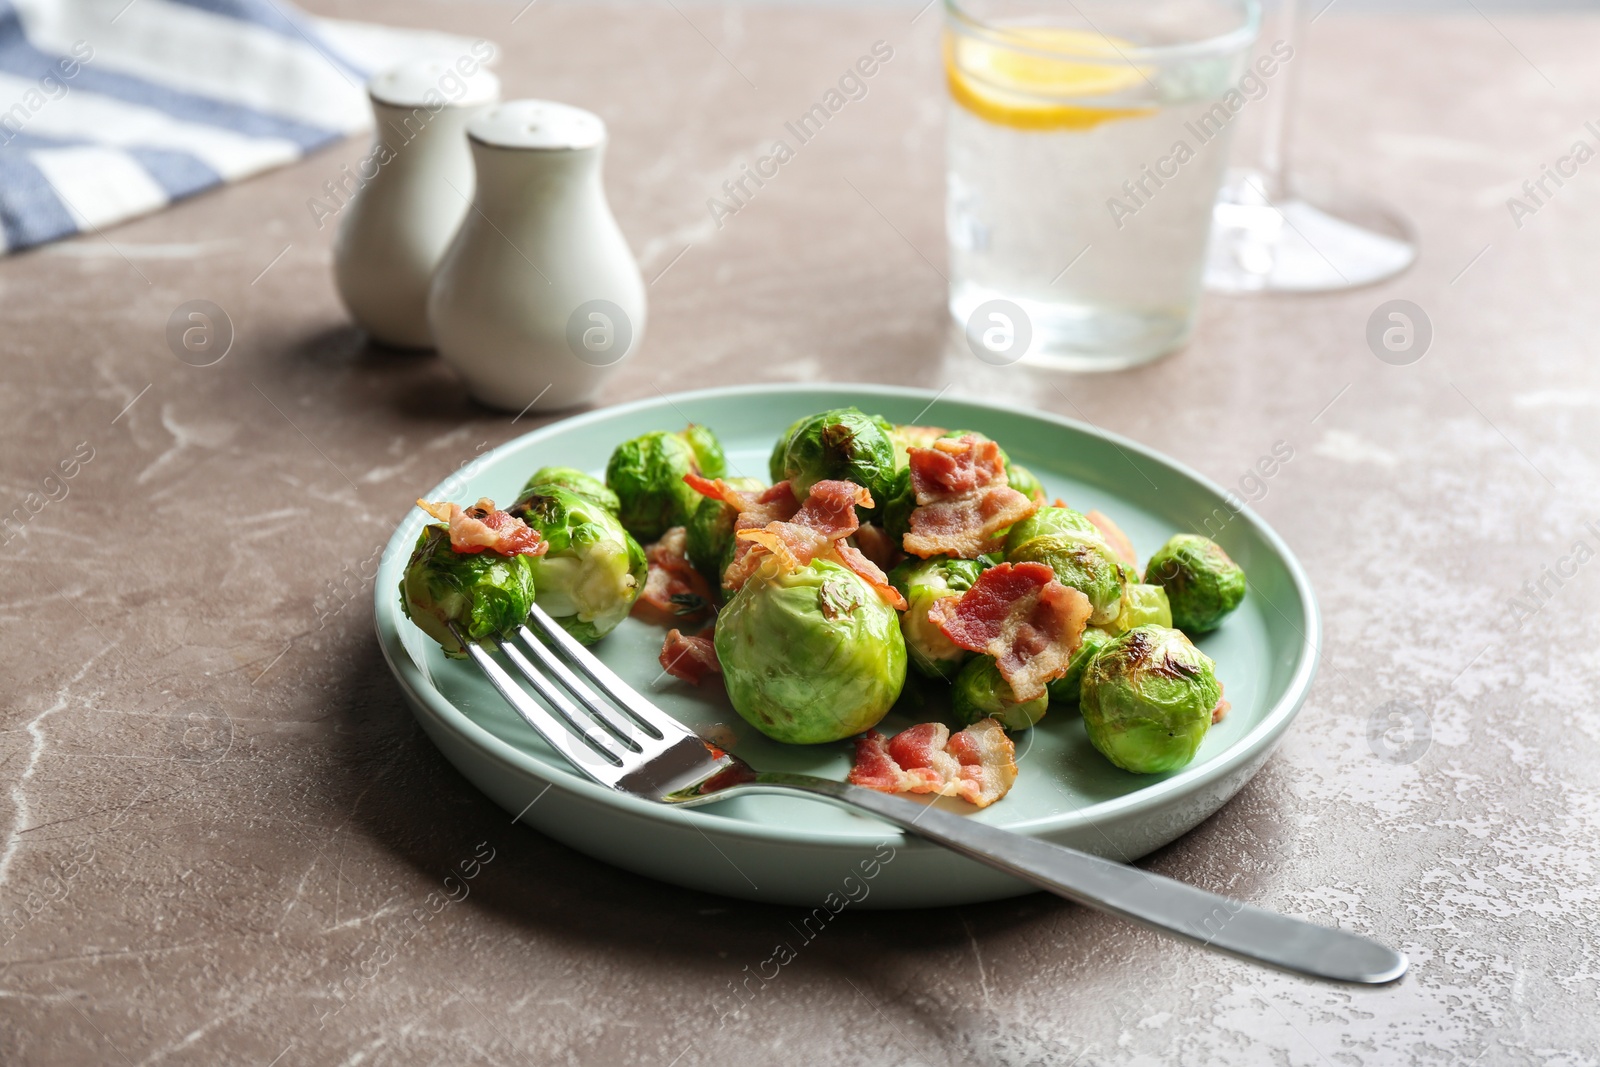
x,y
1302,244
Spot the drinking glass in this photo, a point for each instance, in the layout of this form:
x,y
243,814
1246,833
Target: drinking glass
x,y
1086,143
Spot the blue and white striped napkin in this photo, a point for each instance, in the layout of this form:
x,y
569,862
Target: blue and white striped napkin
x,y
111,109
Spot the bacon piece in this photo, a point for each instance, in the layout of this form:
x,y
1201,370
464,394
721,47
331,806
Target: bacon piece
x,y
830,508
483,526
674,590
689,658
878,546
869,571
963,501
1019,614
756,512
953,466
1120,545
978,764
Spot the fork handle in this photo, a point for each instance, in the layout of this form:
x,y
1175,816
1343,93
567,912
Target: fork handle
x,y
1160,903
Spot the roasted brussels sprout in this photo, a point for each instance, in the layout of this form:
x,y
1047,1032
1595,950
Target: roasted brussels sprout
x,y
1072,547
710,534
811,655
647,472
1142,605
1022,480
593,570
924,582
980,692
1083,563
1064,691
578,482
844,444
1147,698
775,461
1203,585
707,450
485,594
1059,521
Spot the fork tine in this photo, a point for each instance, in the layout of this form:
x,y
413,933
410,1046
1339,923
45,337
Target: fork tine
x,y
623,730
548,724
633,703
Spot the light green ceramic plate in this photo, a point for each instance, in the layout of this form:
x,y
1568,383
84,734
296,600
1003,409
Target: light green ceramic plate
x,y
795,851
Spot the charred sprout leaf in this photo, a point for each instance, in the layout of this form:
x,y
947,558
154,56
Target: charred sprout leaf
x,y
688,603
1147,698
574,480
1142,605
1083,563
485,594
981,692
1064,691
647,473
798,675
924,582
709,538
844,444
1203,585
593,571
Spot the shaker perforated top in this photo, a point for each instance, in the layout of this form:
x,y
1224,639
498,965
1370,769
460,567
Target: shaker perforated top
x,y
538,124
424,82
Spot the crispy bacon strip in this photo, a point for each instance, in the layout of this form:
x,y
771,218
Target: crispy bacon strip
x,y
483,526
1019,614
963,501
689,658
674,590
871,572
756,512
878,546
816,531
1120,545
978,764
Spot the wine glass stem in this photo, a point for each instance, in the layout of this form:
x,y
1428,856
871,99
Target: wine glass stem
x,y
1274,161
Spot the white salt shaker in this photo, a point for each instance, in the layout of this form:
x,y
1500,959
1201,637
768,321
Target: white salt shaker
x,y
538,298
415,186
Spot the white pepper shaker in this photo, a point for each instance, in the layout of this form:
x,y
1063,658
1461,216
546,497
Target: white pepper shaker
x,y
538,299
416,186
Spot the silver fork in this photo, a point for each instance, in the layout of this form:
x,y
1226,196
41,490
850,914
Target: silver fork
x,y
632,746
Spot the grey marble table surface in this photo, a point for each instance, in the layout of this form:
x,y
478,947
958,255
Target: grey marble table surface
x,y
217,818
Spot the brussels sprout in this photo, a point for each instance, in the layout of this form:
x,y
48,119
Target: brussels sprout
x,y
1082,563
1147,699
593,570
1061,521
578,482
1065,690
924,582
1022,480
484,593
1142,605
981,692
845,444
707,450
1202,583
811,655
775,461
647,473
709,539
898,504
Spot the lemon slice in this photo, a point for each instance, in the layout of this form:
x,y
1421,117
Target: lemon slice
x,y
1030,91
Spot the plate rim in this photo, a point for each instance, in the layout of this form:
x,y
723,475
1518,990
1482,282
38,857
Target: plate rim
x,y
423,695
